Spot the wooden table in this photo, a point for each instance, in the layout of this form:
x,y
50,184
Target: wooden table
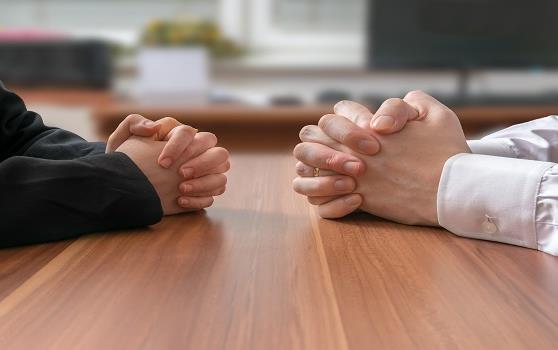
x,y
260,270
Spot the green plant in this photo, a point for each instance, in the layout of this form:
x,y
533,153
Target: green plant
x,y
172,33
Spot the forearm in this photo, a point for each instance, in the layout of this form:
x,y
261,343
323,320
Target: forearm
x,y
22,133
45,200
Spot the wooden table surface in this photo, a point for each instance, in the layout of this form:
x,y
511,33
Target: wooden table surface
x,y
260,270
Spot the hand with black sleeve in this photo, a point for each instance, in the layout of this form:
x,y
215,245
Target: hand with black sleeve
x,y
54,185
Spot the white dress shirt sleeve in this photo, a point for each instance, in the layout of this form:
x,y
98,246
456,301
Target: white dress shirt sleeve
x,y
535,140
508,190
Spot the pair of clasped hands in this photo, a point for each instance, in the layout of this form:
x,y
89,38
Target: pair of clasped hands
x,y
184,166
388,163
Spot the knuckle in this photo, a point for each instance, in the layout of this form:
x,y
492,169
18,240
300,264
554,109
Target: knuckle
x,y
340,104
333,161
326,120
210,137
182,130
132,117
224,151
169,121
226,167
414,94
393,102
306,132
303,151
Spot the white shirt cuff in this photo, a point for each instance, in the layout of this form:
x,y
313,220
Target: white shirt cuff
x,y
493,147
547,212
491,198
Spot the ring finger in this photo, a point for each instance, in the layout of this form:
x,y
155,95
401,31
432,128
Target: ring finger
x,y
308,171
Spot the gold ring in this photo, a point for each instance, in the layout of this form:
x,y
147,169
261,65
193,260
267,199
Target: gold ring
x,y
316,172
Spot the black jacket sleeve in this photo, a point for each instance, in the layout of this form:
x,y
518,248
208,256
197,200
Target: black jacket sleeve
x,y
55,185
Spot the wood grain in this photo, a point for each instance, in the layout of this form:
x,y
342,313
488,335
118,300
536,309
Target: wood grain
x,y
260,270
244,275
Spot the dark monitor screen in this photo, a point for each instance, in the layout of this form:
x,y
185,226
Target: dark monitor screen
x,y
463,33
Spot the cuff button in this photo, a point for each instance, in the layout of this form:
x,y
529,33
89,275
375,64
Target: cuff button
x,y
488,226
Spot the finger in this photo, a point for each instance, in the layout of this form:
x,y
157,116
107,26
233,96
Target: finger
x,y
195,203
202,142
178,139
166,124
134,124
204,162
203,184
214,193
321,200
315,134
355,112
392,116
340,207
324,185
349,134
221,169
323,157
308,171
425,105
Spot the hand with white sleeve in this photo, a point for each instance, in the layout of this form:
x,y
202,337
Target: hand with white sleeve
x,y
399,183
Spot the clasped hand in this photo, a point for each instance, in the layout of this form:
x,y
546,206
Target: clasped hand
x,y
387,164
184,166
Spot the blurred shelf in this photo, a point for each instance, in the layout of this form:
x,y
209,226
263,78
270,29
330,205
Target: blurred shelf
x,y
64,96
276,127
108,111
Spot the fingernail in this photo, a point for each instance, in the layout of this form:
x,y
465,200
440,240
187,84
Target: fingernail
x,y
342,185
384,122
184,202
166,162
188,172
352,201
148,123
352,167
187,188
368,147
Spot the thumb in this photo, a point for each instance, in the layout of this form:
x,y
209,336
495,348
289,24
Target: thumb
x,y
392,116
134,124
426,106
145,128
355,112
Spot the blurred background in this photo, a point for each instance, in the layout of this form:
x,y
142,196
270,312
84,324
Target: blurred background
x,y
234,66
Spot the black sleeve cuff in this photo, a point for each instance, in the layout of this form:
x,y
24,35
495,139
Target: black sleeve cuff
x,y
46,200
